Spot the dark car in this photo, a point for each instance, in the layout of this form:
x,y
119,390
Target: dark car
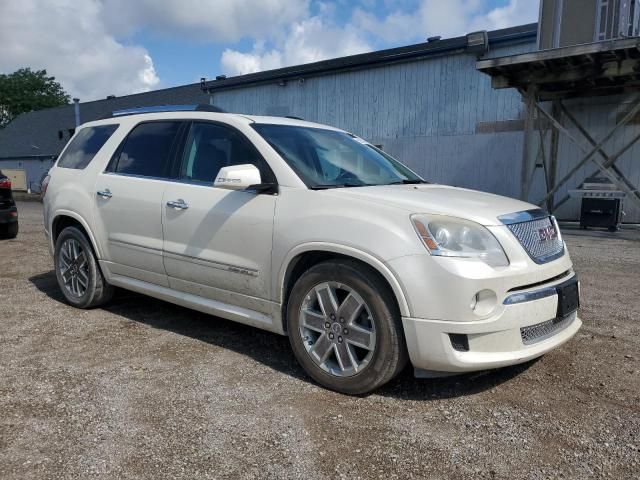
x,y
8,209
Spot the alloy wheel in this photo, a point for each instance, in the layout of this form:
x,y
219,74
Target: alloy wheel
x,y
337,329
73,267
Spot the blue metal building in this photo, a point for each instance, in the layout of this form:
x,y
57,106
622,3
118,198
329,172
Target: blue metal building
x,y
425,104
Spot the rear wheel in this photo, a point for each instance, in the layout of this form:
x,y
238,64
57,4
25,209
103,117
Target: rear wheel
x,y
78,272
345,328
9,230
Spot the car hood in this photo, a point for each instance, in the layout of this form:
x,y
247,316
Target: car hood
x,y
479,207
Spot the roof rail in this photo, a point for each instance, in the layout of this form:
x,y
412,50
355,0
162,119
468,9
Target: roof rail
x,y
166,108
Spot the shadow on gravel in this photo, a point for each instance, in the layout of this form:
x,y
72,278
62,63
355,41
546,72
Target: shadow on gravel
x,y
409,388
270,349
265,347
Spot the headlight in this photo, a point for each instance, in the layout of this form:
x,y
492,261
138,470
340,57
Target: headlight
x,y
455,237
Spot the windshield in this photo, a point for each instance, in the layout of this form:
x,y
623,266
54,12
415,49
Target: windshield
x,y
331,159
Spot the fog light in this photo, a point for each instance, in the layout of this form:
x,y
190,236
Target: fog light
x,y
459,342
484,302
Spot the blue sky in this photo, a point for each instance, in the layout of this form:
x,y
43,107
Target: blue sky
x,y
101,47
178,61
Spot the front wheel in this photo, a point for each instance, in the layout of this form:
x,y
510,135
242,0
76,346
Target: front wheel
x,y
345,328
77,271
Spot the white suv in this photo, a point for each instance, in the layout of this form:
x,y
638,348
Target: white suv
x,y
311,232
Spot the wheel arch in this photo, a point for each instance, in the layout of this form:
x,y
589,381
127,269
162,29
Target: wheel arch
x,y
65,218
303,257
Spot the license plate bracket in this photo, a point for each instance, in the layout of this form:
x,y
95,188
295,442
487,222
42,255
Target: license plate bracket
x,y
568,298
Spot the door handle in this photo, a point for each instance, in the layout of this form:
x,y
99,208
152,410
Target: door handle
x,y
106,193
178,204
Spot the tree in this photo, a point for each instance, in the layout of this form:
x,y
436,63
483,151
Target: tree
x,y
25,90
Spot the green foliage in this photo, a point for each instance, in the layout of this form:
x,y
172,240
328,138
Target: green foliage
x,y
25,90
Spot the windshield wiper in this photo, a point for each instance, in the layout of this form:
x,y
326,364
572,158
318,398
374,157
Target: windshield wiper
x,y
321,186
408,182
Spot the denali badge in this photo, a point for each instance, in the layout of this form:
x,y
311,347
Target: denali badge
x,y
547,234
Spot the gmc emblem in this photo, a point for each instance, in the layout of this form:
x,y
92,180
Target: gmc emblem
x,y
547,234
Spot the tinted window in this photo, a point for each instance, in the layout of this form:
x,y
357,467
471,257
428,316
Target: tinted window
x,y
147,150
211,147
85,145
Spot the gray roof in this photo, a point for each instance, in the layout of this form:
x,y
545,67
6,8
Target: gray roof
x,y
37,133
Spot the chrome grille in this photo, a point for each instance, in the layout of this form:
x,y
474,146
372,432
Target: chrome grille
x,y
542,331
534,237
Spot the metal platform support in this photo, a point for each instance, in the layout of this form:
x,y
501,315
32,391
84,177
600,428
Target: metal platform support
x,y
551,77
606,166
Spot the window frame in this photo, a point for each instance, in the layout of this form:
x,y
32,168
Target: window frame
x,y
180,155
172,174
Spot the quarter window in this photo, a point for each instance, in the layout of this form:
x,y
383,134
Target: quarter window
x,y
147,150
211,147
85,146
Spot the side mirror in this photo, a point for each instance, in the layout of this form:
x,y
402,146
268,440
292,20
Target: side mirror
x,y
238,177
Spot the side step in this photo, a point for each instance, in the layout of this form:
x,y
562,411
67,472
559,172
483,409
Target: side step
x,y
201,304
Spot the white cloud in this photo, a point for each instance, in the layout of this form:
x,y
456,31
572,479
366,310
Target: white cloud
x,y
449,18
446,19
306,41
238,63
398,26
206,20
459,17
69,40
516,12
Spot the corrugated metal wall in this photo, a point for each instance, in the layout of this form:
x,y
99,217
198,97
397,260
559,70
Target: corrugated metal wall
x,y
441,117
425,113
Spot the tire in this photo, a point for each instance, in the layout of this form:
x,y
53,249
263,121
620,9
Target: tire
x,y
9,230
358,292
74,258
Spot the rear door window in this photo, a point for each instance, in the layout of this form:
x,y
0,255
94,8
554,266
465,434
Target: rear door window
x,y
147,151
85,146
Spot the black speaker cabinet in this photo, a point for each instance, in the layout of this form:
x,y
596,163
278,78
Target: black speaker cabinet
x,y
601,212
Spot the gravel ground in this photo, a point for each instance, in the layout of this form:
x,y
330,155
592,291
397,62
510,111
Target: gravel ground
x,y
145,389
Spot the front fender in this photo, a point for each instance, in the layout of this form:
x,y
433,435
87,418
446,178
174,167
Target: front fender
x,y
347,251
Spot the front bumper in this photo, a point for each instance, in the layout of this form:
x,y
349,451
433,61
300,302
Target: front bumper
x,y
494,342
